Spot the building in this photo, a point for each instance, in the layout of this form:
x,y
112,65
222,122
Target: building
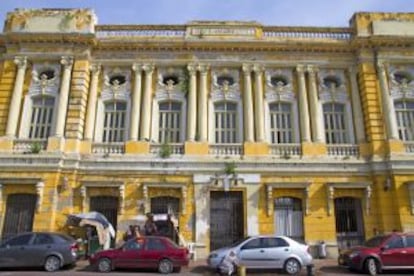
x,y
234,127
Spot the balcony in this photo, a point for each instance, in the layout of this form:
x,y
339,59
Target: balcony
x,y
343,150
226,149
108,148
409,147
284,150
164,150
29,145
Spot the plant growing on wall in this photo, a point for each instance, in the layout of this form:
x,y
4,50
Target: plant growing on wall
x,y
35,147
165,150
184,81
229,168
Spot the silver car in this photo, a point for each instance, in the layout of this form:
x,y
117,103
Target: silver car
x,y
48,250
265,252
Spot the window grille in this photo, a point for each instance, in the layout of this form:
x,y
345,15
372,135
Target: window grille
x,y
335,123
42,116
114,122
169,122
405,119
281,130
225,117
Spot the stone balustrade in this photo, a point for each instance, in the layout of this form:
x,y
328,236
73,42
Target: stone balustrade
x,y
29,145
343,150
285,150
108,148
226,149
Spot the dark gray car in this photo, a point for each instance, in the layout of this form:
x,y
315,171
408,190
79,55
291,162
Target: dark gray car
x,y
38,249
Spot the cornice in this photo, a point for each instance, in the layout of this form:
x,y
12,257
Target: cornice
x,y
55,38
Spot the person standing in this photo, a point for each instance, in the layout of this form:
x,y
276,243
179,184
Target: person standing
x,y
150,228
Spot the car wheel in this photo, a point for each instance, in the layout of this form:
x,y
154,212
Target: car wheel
x,y
104,265
292,266
371,266
165,266
52,263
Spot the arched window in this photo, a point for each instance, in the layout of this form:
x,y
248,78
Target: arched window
x,y
41,117
114,121
169,124
335,123
281,123
404,111
225,122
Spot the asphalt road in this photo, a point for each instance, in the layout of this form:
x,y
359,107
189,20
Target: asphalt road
x,y
326,267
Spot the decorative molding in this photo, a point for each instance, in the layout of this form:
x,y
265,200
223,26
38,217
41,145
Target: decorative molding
x,y
39,191
225,91
103,184
121,199
333,93
21,62
182,186
279,91
66,62
363,185
116,91
411,196
403,88
40,84
166,91
286,185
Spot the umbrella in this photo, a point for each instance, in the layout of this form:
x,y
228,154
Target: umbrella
x,y
97,217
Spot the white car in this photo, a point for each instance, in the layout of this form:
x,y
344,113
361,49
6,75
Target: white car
x,y
265,252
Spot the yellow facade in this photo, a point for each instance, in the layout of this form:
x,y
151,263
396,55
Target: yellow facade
x,y
206,63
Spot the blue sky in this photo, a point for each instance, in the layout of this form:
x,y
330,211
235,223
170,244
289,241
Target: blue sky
x,y
335,13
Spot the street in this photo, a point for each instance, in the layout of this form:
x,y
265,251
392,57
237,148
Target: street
x,y
322,267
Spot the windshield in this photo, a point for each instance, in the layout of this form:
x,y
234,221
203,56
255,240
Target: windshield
x,y
375,241
239,241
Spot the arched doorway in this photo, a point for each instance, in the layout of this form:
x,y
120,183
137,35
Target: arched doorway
x,y
288,217
349,222
20,209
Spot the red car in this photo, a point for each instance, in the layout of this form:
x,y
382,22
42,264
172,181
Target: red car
x,y
145,252
393,251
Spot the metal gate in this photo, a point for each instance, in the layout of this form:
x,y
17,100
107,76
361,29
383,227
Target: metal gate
x,y
289,217
349,222
226,218
20,209
107,206
165,205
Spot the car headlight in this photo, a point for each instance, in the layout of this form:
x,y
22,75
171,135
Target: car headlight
x,y
213,256
354,254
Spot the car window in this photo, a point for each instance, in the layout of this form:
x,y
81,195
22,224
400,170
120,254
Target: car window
x,y
375,241
134,245
410,241
252,244
273,242
20,240
155,244
395,242
43,239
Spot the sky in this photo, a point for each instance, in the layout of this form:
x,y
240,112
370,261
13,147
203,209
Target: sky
x,y
323,13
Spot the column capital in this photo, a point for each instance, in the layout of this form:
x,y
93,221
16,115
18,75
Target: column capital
x,y
192,68
67,62
300,68
352,69
312,69
203,68
247,68
258,68
137,68
148,68
20,61
381,65
95,68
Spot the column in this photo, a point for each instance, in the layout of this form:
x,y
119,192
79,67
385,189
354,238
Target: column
x,y
136,102
93,92
67,63
248,104
202,104
387,104
316,113
16,99
146,103
192,103
303,105
258,95
356,107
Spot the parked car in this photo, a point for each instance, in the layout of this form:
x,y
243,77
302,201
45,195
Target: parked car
x,y
393,251
144,252
38,249
265,252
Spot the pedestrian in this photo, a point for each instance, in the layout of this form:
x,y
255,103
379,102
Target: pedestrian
x,y
171,230
229,264
150,228
137,231
129,233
